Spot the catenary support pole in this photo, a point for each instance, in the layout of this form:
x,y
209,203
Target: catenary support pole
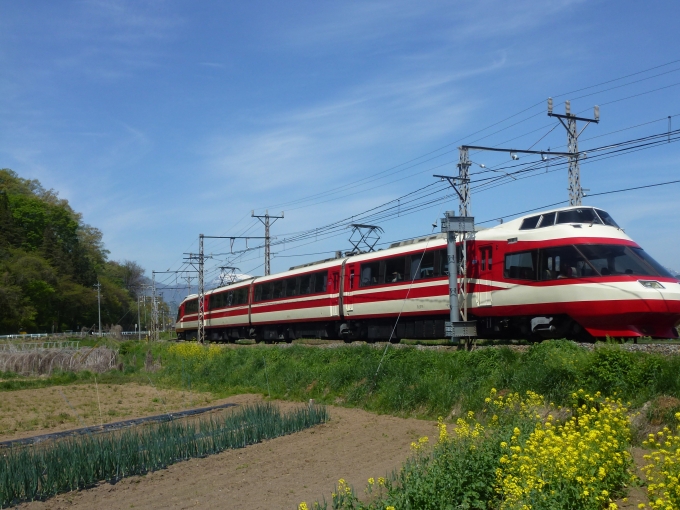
x,y
453,273
568,120
458,327
201,292
266,220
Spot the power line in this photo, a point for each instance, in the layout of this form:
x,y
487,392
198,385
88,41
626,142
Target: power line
x,y
495,180
390,169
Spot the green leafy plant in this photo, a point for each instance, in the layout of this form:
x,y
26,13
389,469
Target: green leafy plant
x,y
30,473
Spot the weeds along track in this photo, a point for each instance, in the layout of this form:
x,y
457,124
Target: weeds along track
x,y
38,472
655,348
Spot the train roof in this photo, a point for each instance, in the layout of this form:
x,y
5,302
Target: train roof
x,y
578,221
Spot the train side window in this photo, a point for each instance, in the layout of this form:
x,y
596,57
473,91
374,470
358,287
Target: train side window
x,y
547,220
305,284
320,281
422,265
215,301
444,260
530,223
191,306
265,291
482,256
443,263
562,262
277,289
291,285
370,274
520,265
394,269
240,296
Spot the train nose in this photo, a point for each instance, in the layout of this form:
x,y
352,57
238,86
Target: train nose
x,y
664,308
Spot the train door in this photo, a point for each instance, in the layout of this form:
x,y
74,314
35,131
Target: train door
x,y
351,281
484,267
334,289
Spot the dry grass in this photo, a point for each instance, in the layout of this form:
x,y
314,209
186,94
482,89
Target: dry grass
x,y
46,361
29,412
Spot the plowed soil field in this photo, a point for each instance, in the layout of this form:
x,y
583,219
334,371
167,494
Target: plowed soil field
x,y
279,473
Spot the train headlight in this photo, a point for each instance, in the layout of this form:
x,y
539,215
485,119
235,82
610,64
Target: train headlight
x,y
651,284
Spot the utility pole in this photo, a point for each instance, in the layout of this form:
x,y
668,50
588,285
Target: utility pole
x,y
462,226
197,261
200,258
139,320
154,308
144,288
201,292
265,219
575,190
463,181
99,305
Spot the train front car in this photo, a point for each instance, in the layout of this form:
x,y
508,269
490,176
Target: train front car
x,y
187,318
571,273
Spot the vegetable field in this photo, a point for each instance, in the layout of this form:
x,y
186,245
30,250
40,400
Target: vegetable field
x,y
40,472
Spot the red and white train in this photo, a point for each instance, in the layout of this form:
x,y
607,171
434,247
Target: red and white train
x,y
565,273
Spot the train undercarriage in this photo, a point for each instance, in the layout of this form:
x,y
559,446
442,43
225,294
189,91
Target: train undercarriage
x,y
422,328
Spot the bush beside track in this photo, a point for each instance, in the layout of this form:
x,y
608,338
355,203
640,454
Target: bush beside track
x,y
423,383
412,381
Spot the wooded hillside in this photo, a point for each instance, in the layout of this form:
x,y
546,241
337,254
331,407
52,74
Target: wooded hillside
x,y
50,261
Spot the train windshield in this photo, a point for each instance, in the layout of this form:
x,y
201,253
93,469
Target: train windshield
x,y
585,215
617,259
606,218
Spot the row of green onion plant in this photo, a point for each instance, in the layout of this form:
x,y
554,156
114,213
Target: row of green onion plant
x,y
41,471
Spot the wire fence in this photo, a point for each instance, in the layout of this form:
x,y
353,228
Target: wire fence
x,y
70,334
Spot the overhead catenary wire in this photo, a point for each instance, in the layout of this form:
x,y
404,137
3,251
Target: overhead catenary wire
x,y
564,94
387,215
519,213
497,180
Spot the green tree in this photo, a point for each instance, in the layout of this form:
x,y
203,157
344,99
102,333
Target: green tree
x,y
49,262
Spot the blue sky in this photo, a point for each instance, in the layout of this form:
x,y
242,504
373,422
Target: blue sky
x,y
160,120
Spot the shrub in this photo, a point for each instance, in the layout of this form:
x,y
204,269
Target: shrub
x,y
513,455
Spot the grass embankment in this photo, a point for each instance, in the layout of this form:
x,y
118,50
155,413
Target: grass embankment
x,y
28,473
424,383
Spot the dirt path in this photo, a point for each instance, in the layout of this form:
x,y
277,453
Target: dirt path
x,y
280,473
